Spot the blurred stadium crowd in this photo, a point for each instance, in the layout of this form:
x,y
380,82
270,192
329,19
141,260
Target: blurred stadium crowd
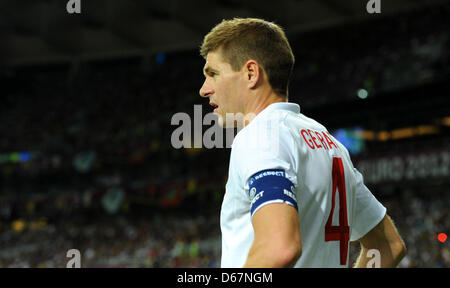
x,y
116,241
164,239
379,56
86,160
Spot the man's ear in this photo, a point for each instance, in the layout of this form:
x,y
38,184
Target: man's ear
x,y
253,73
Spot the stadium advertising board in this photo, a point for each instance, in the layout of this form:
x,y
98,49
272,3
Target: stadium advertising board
x,y
405,167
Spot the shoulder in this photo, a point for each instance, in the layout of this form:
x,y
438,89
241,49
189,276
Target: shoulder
x,y
310,122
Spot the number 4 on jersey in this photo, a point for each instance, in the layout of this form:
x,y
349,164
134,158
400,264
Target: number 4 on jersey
x,y
341,232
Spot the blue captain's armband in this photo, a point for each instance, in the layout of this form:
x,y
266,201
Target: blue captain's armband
x,y
270,186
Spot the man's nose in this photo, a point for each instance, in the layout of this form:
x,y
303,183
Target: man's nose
x,y
206,90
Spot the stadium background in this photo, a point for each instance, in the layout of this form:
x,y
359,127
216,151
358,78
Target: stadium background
x,y
86,101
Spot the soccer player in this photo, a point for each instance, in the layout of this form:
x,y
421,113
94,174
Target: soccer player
x,y
294,199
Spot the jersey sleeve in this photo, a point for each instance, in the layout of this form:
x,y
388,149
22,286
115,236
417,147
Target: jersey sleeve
x,y
368,210
266,164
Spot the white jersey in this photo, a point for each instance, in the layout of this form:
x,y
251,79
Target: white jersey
x,y
281,138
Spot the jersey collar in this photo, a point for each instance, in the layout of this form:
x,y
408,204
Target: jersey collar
x,y
294,107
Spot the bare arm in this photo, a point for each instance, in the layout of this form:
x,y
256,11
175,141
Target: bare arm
x,y
386,239
277,241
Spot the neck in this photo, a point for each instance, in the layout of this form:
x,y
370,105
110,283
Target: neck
x,y
261,102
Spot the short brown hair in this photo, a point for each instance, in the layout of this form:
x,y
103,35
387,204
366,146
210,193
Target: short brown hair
x,y
242,39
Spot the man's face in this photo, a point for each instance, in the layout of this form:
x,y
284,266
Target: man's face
x,y
223,87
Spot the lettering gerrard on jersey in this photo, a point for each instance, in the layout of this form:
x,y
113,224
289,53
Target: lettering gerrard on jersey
x,y
310,138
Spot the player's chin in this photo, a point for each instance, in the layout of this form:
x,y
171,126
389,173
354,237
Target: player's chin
x,y
226,120
221,120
